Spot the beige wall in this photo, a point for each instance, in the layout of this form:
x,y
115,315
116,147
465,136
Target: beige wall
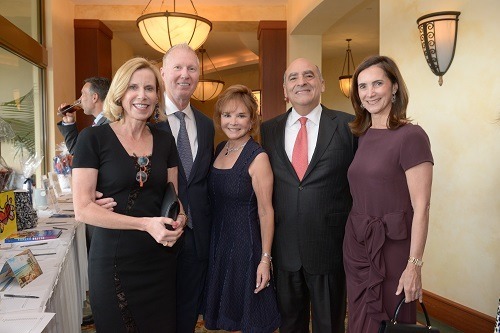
x,y
120,53
462,257
61,68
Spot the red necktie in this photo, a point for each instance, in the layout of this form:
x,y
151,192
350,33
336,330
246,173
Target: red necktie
x,y
299,154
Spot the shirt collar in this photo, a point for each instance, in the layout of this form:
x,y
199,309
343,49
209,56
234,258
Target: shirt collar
x,y
99,116
314,116
171,108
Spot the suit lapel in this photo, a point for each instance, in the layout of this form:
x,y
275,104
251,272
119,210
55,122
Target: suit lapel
x,y
327,127
202,135
279,143
101,121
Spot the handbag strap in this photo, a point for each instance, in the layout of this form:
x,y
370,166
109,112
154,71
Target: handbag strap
x,y
423,309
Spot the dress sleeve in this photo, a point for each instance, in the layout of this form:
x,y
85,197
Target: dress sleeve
x,y
87,150
415,148
166,141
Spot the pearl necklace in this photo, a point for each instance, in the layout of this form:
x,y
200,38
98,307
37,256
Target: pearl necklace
x,y
230,150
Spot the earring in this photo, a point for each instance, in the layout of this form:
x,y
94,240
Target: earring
x,y
362,106
156,112
286,99
393,99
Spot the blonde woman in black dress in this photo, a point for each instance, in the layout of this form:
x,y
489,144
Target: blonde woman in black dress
x,y
131,260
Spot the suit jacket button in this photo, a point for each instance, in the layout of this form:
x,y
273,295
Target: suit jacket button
x,y
301,188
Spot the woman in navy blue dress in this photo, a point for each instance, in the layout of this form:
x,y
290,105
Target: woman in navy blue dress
x,y
240,294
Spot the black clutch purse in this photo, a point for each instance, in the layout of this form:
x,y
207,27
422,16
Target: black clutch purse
x,y
393,326
170,206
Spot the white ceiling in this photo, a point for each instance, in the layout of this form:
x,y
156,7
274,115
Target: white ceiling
x,y
235,44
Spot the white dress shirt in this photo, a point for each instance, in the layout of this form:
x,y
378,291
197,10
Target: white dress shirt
x,y
292,128
175,123
96,120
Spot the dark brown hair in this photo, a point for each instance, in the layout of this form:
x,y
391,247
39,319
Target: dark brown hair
x,y
243,94
397,115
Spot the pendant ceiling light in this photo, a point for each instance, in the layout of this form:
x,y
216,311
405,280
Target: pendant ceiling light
x,y
438,36
345,79
162,30
207,88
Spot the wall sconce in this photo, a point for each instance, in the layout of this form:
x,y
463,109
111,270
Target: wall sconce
x,y
345,80
438,35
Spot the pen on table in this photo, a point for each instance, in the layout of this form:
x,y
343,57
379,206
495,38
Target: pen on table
x,y
44,254
59,228
34,244
62,215
20,296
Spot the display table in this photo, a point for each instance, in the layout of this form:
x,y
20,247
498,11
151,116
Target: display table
x,y
62,286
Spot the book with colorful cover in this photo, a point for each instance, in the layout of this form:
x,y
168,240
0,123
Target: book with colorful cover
x,y
8,221
33,235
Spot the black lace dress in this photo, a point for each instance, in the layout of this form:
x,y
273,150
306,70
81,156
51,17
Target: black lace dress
x,y
131,276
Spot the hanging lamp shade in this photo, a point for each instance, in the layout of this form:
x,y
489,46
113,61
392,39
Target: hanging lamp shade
x,y
162,30
346,78
438,36
345,85
207,88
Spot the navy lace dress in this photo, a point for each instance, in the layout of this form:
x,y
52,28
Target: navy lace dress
x,y
235,252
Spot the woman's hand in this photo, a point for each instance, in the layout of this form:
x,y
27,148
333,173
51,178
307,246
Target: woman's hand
x,y
411,283
156,227
263,276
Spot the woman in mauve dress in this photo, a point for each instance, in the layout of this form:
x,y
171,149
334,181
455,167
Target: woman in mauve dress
x,y
390,180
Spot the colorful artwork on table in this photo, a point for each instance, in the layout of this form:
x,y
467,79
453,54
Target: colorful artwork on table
x,y
8,224
23,267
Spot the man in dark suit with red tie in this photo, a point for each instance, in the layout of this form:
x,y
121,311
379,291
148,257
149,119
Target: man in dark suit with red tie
x,y
310,148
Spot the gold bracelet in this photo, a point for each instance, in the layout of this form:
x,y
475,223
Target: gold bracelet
x,y
265,262
415,261
185,216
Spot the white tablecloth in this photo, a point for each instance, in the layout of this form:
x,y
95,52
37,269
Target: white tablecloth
x,y
62,290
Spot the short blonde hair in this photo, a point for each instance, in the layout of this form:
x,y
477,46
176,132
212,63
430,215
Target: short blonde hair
x,y
243,94
113,109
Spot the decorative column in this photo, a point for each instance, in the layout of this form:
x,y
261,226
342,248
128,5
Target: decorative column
x,y
92,57
272,65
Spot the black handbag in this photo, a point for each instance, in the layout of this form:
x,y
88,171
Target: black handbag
x,y
393,326
170,206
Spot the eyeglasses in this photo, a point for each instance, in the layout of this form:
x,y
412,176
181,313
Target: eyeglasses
x,y
142,174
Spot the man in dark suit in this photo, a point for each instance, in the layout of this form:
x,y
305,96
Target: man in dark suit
x,y
94,93
311,199
180,74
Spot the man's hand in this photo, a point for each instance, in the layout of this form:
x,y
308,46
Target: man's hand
x,y
107,203
68,118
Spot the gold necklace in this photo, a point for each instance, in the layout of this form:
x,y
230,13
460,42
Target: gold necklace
x,y
230,150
